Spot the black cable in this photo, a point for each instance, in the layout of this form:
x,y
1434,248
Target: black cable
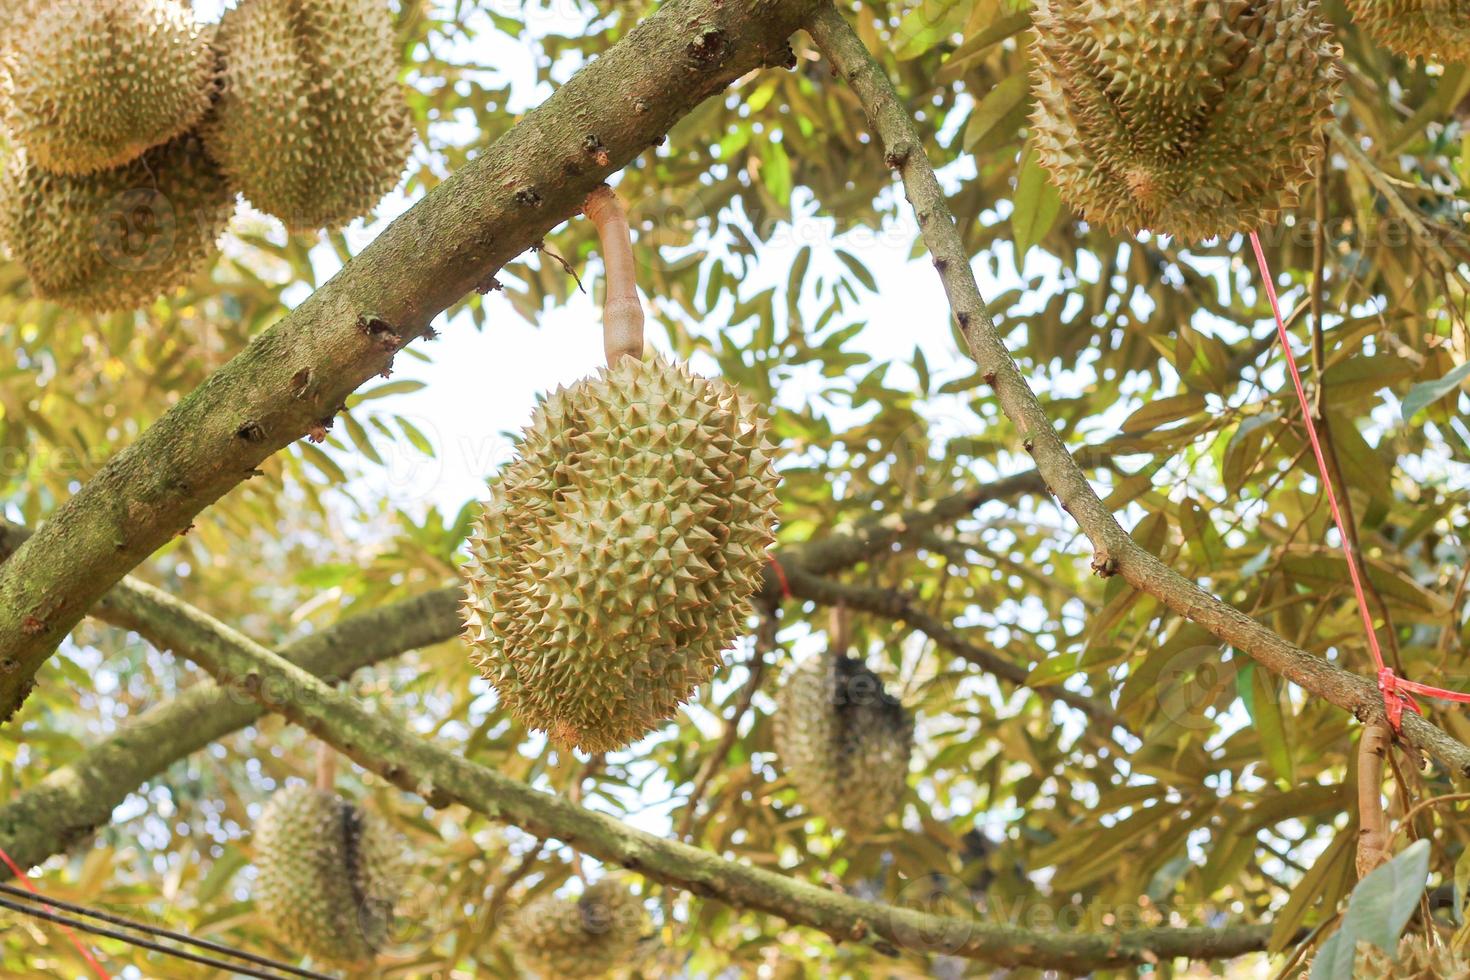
x,y
141,943
118,920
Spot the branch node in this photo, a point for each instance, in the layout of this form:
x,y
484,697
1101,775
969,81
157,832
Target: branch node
x,y
895,158
990,378
710,48
528,197
592,145
300,381
251,432
379,330
489,285
1104,566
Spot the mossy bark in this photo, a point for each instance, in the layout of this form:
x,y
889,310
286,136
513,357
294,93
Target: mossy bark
x,y
442,778
1115,552
75,799
299,372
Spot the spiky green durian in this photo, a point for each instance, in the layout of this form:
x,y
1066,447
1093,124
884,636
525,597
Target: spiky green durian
x,y
843,741
612,565
91,84
1438,29
328,873
1192,118
115,239
312,125
582,937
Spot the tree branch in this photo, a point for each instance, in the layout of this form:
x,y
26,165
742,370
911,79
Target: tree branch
x,y
895,605
1115,551
77,798
441,777
299,372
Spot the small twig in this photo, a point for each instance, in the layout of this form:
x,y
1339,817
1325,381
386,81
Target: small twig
x,y
566,266
1422,805
574,793
503,890
765,643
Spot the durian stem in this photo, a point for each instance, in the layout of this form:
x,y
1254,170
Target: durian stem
x,y
622,312
326,767
839,628
1373,748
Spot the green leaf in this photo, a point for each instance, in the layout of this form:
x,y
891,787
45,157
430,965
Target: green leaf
x,y
1426,393
1053,670
776,172
1037,205
859,270
1265,710
360,438
403,387
997,104
1162,411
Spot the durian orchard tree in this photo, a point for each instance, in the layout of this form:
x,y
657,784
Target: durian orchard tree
x,y
1054,663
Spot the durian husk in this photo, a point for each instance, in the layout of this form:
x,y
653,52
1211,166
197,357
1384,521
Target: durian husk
x,y
579,938
1437,29
115,239
613,563
91,85
1416,959
844,742
328,875
1190,118
312,124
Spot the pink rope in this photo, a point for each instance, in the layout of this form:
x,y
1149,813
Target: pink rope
x,y
1397,691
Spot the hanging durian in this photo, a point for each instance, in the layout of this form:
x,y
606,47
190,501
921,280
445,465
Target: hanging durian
x,y
1438,29
115,239
92,85
312,125
842,740
613,564
582,937
328,873
1191,118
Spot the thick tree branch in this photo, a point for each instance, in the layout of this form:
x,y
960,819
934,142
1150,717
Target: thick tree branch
x,y
442,777
1116,552
77,798
298,373
846,547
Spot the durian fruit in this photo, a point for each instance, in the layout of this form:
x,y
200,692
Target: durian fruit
x,y
613,563
582,937
1416,960
843,741
92,84
312,125
115,239
1191,118
1438,29
328,875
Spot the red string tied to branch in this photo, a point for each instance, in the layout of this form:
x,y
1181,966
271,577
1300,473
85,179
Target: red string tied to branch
x,y
1398,692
